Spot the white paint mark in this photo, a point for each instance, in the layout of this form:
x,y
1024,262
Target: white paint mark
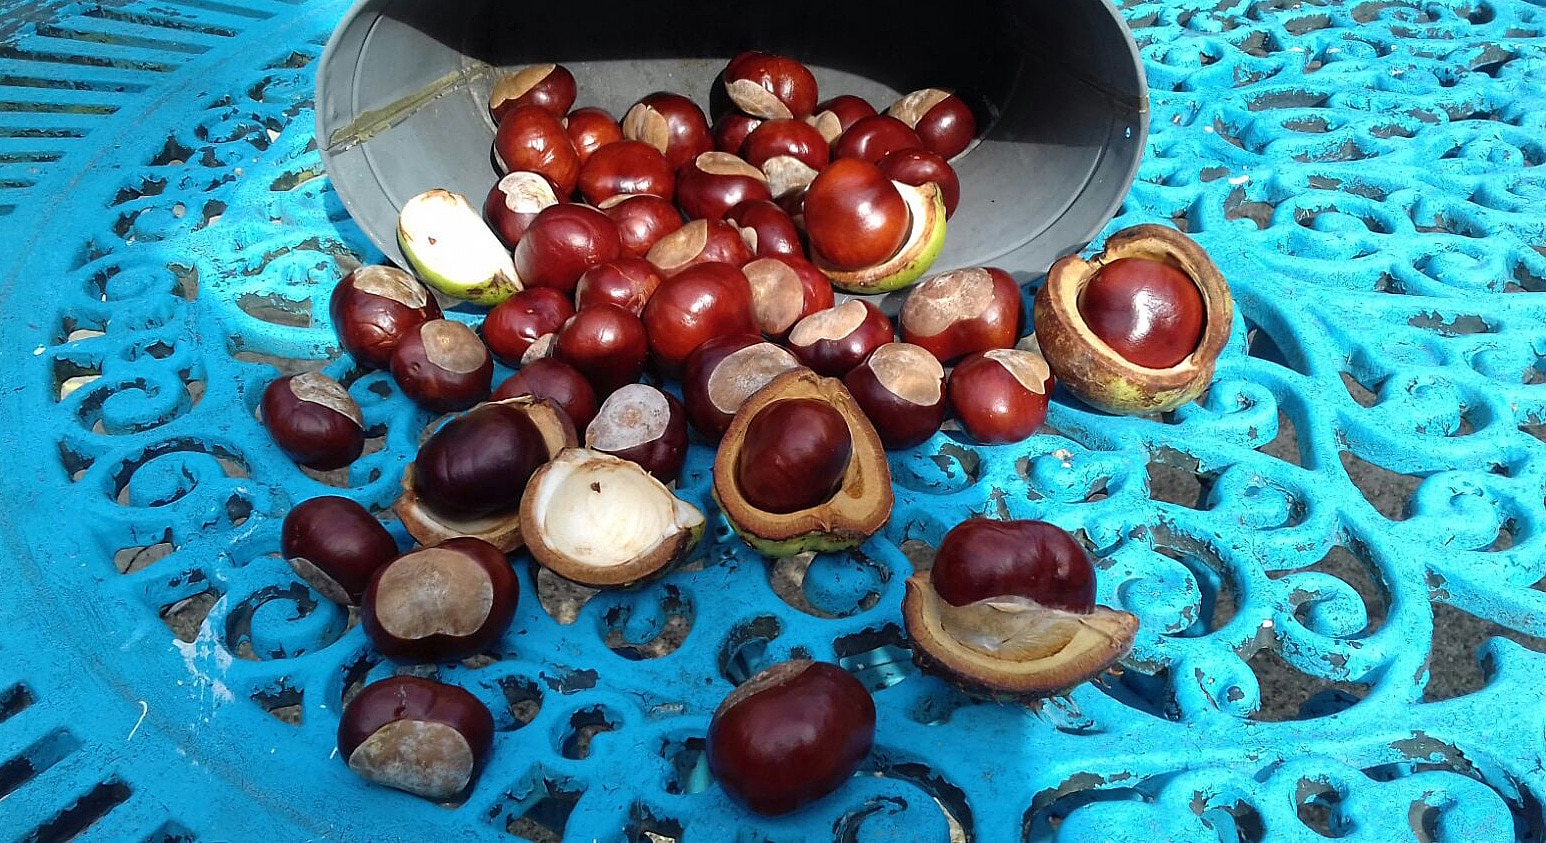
x,y
37,352
144,710
1237,180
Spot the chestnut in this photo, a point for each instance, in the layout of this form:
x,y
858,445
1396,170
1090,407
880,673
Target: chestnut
x,y
790,735
606,343
642,221
794,456
770,86
982,558
767,228
443,366
731,129
784,291
335,545
314,420
1147,310
693,306
589,129
672,124
835,340
449,601
723,372
532,138
955,313
789,152
873,138
373,306
626,167
562,242
515,201
1000,395
548,86
833,117
919,166
713,182
901,389
943,121
516,323
644,425
556,381
854,216
625,282
697,242
417,735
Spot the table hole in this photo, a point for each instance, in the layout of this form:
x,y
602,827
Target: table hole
x,y
355,676
36,759
1319,806
647,826
658,631
689,763
543,820
1387,491
523,701
1288,693
744,651
1174,477
1361,395
1050,807
584,726
282,701
130,560
562,599
185,617
76,819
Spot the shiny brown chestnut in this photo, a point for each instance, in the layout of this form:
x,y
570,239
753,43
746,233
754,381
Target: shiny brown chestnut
x,y
1000,395
713,182
606,343
562,242
373,306
723,372
644,425
695,305
625,282
698,242
920,166
854,216
790,735
672,124
547,86
901,389
443,366
784,291
590,129
731,129
955,313
981,558
515,201
873,138
416,735
794,456
449,601
767,228
642,221
790,152
835,340
532,138
517,322
557,381
1147,310
770,86
943,121
336,546
626,167
314,420
834,116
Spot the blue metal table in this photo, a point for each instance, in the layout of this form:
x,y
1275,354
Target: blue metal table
x,y
1366,472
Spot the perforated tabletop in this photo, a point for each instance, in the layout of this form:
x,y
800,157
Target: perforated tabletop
x,y
1362,487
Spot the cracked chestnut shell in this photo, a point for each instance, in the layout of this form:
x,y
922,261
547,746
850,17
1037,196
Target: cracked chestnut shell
x,y
452,600
427,738
1008,608
1097,373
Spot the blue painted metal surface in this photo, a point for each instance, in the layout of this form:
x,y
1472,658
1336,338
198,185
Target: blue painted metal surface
x,y
1367,175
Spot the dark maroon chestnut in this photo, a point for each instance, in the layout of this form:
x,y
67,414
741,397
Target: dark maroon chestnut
x,y
789,152
901,389
698,242
873,138
854,216
373,306
695,305
723,372
443,366
336,546
314,420
767,228
790,735
556,381
562,243
833,117
784,291
641,423
794,457
624,168
920,166
981,558
1148,311
731,129
515,201
942,120
477,464
955,313
1000,395
606,343
416,735
625,282
547,86
532,138
770,86
590,129
713,182
672,124
449,601
642,220
517,322
835,340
